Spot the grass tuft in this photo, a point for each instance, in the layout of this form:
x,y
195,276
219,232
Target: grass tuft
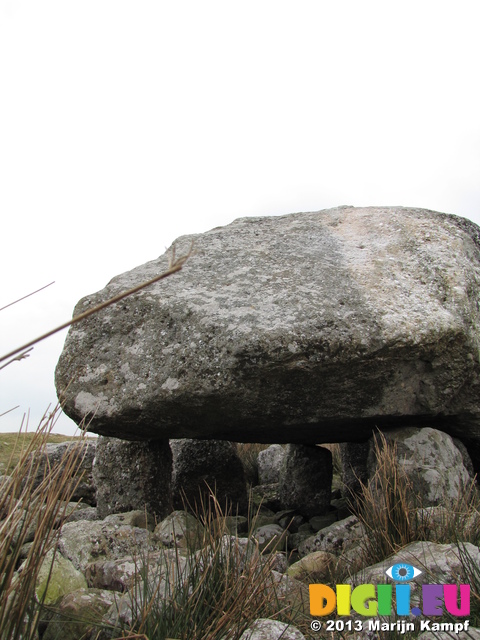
x,y
26,506
393,513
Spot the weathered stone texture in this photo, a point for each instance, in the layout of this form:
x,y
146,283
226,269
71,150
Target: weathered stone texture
x,y
306,479
56,454
201,467
133,475
431,462
310,327
270,463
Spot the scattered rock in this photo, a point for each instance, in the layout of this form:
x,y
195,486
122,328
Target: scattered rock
x,y
57,577
438,563
267,496
84,542
314,567
270,537
78,613
320,522
338,538
113,575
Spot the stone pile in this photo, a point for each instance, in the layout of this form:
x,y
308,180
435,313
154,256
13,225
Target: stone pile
x,y
305,329
99,561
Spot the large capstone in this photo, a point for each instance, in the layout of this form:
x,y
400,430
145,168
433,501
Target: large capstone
x,y
306,328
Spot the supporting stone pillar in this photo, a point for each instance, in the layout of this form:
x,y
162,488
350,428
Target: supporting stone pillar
x,y
306,479
200,464
133,475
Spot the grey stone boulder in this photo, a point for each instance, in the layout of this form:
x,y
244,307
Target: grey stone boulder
x,y
56,578
315,567
431,462
338,538
290,592
270,462
82,513
438,564
309,327
84,542
180,530
267,496
203,467
270,538
265,629
306,479
133,475
167,575
78,615
55,455
114,575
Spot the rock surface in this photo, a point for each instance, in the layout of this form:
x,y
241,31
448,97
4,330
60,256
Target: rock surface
x,y
53,454
431,462
307,328
265,629
203,467
270,462
57,577
77,614
133,475
306,479
84,542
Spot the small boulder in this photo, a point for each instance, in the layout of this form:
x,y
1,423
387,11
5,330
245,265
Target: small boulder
x,y
78,614
270,538
338,538
314,567
181,530
83,542
57,577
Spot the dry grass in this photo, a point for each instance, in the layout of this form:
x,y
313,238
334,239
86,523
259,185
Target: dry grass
x,y
393,513
215,592
248,454
25,505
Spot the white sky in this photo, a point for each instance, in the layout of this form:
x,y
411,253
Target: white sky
x,y
126,124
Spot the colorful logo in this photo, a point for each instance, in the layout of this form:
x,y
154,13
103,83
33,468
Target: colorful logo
x,y
378,600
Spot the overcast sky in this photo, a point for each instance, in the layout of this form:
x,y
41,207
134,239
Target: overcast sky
x,y
124,125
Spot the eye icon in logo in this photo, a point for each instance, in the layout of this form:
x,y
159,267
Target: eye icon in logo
x,y
402,572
